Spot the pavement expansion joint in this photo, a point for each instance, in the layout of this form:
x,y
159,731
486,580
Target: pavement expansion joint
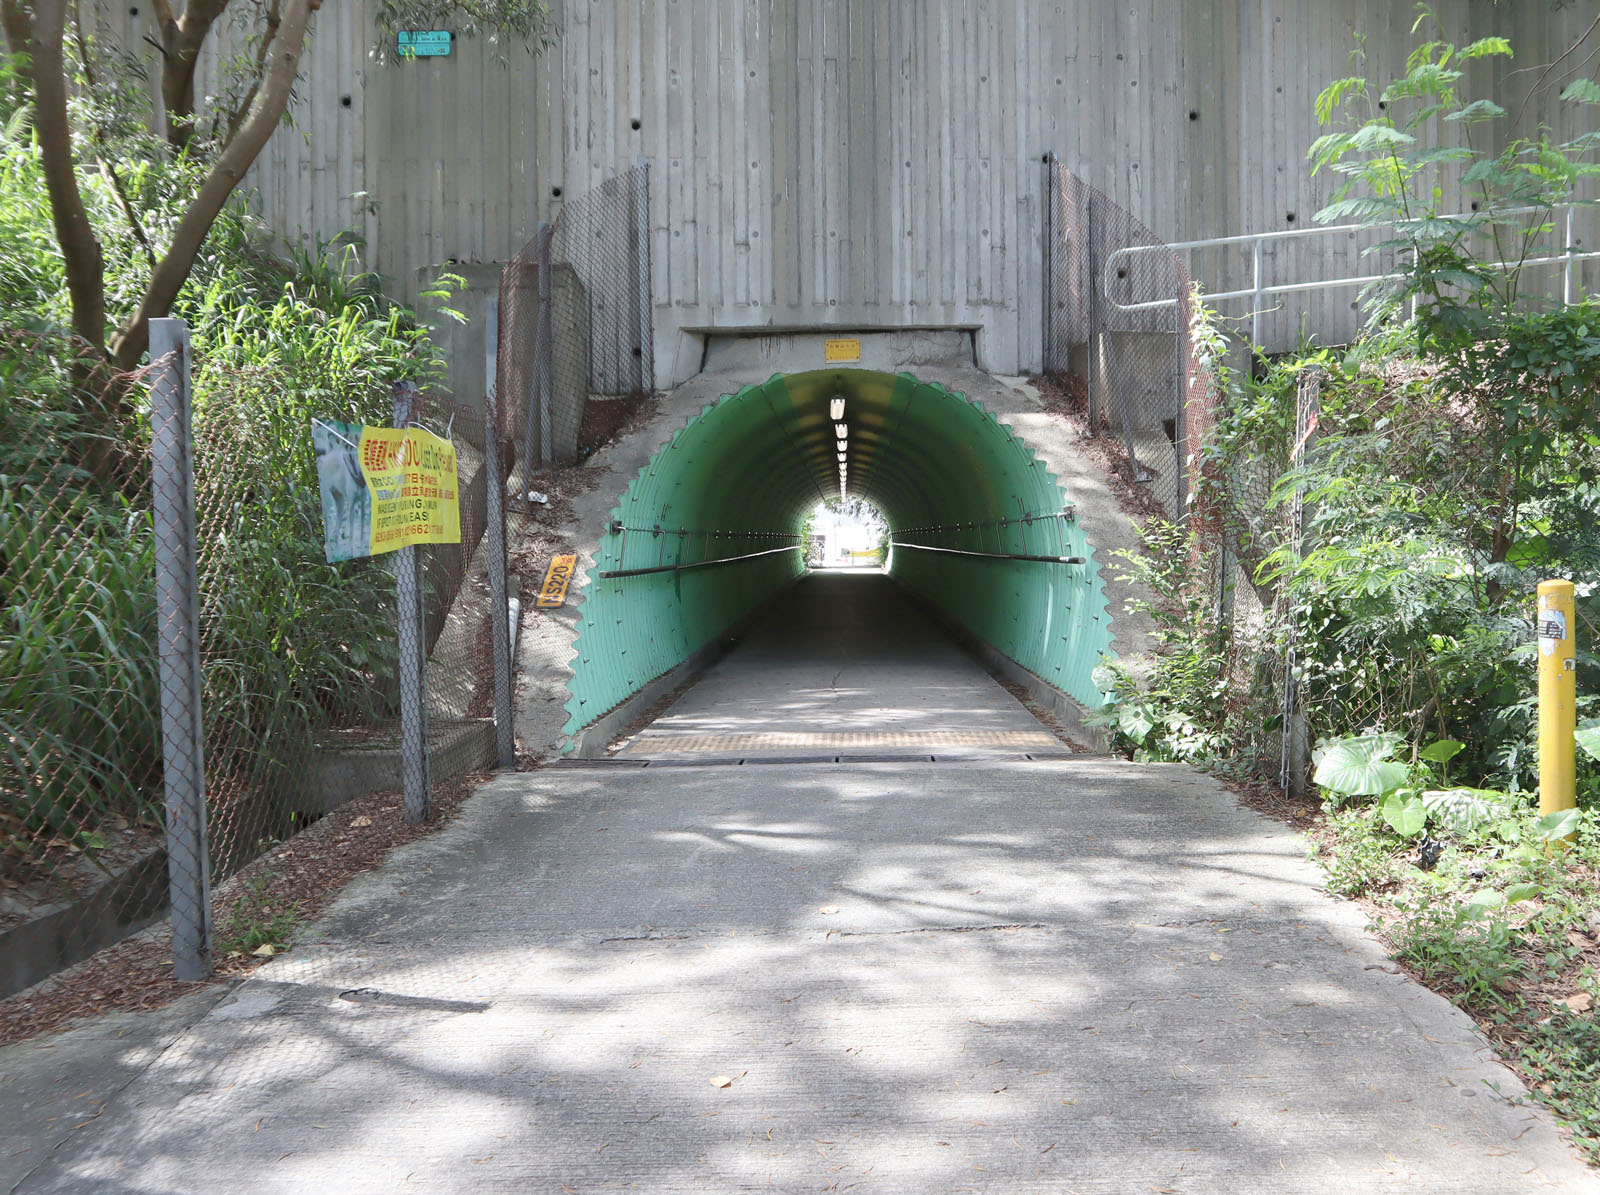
x,y
812,932
800,740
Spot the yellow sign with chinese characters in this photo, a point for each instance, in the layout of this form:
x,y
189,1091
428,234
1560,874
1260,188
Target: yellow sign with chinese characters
x,y
842,349
415,493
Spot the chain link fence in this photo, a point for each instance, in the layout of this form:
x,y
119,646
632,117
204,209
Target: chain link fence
x,y
1123,333
80,756
1118,312
574,324
188,681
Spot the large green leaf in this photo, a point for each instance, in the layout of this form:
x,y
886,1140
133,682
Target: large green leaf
x,y
1407,817
1589,738
1360,766
1134,720
1521,892
1442,751
1563,823
1464,809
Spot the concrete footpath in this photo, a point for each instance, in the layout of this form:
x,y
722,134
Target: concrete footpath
x,y
844,918
1007,975
843,664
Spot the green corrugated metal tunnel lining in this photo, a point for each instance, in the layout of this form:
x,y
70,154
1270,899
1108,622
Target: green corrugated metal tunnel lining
x,y
739,479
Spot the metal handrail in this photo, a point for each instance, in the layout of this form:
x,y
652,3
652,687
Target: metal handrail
x,y
609,574
991,555
1259,290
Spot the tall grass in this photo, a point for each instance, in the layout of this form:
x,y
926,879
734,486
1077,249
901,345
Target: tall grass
x,y
291,644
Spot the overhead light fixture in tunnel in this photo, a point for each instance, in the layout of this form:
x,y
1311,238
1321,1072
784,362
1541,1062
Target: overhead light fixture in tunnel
x,y
842,457
836,408
841,445
841,430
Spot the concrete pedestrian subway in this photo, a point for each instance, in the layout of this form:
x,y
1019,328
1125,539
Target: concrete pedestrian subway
x,y
709,531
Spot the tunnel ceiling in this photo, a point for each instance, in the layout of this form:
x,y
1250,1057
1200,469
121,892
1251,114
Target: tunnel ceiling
x,y
977,523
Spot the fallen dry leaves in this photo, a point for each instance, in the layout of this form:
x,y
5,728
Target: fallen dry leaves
x,y
307,871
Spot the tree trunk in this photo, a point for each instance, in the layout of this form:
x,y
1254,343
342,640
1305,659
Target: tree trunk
x,y
131,340
81,254
182,39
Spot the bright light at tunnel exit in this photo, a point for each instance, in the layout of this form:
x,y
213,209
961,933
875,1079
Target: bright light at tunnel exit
x,y
845,532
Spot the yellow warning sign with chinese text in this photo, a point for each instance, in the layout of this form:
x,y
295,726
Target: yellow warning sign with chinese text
x,y
412,477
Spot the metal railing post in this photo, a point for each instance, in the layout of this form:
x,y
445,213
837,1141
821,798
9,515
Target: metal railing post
x,y
1567,276
1091,347
1255,301
494,535
547,354
413,653
178,621
1180,418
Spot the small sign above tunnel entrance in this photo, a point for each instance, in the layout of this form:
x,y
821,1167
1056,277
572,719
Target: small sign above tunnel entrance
x,y
837,349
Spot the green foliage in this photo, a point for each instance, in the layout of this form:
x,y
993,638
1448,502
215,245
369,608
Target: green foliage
x,y
1459,948
1401,147
1180,711
1563,1052
254,921
78,696
292,645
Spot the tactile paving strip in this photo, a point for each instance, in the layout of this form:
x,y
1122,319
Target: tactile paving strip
x,y
923,740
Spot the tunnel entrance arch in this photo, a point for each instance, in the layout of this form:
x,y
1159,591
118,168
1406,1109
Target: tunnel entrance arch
x,y
708,532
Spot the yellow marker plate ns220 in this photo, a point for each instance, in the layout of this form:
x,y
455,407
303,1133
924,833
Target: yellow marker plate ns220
x,y
556,579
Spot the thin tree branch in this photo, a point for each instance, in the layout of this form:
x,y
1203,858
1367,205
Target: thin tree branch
x,y
131,340
1545,74
274,20
107,170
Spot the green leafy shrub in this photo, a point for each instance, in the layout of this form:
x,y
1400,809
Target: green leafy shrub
x,y
291,644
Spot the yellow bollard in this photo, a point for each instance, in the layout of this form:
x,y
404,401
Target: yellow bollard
x,y
1558,697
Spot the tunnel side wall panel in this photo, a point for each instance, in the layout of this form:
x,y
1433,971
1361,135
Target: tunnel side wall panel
x,y
635,629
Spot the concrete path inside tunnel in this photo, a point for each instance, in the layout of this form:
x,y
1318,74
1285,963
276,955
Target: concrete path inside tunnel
x,y
1008,976
843,664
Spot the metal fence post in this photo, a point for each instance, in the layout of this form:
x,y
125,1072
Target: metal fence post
x,y
641,249
1091,298
543,359
494,543
413,652
178,619
1180,425
1048,348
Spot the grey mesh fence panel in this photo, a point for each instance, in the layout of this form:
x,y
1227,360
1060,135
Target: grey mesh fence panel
x,y
575,321
1119,328
1132,369
298,707
82,828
